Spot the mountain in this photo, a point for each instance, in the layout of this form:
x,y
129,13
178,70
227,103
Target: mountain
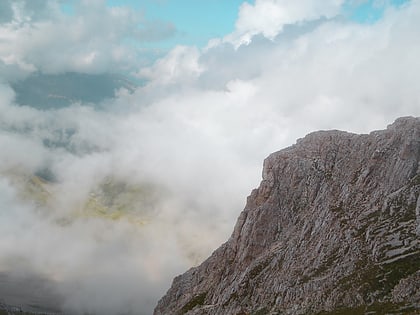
x,y
333,228
47,91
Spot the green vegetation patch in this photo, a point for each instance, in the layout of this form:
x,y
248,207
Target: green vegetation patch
x,y
261,311
381,278
415,181
256,270
197,300
375,309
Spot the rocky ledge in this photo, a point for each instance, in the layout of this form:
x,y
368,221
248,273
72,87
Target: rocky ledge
x,y
333,228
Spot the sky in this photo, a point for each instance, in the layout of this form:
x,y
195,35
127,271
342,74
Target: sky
x,y
223,85
195,22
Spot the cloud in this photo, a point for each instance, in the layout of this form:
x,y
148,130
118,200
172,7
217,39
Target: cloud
x,y
195,135
268,17
154,31
180,64
39,36
106,267
6,12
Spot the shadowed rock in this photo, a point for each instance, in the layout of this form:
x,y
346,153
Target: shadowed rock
x,y
333,229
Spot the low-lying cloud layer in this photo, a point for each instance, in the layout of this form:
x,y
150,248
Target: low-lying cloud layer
x,y
195,135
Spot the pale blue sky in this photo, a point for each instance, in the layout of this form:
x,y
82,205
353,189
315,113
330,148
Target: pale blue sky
x,y
369,11
198,21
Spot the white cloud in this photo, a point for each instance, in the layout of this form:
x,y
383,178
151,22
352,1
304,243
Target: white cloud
x,y
96,38
179,65
268,17
198,132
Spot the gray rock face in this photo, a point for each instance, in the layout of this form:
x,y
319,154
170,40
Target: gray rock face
x,y
333,228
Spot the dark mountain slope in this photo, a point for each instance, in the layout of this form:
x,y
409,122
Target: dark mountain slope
x,y
333,229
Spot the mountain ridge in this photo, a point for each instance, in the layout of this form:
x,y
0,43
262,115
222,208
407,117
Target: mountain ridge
x,y
333,227
54,91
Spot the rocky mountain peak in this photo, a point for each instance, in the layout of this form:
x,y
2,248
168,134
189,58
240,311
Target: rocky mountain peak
x,y
333,228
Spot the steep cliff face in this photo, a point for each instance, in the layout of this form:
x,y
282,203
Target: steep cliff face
x,y
334,228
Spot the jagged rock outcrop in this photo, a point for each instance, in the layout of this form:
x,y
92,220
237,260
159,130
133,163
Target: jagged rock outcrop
x,y
333,228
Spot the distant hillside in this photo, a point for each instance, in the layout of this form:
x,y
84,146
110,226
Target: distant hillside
x,y
111,199
45,91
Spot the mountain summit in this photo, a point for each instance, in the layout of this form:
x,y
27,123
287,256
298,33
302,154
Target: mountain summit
x,y
333,229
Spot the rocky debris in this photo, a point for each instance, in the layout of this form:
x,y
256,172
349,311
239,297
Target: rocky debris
x,y
333,229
